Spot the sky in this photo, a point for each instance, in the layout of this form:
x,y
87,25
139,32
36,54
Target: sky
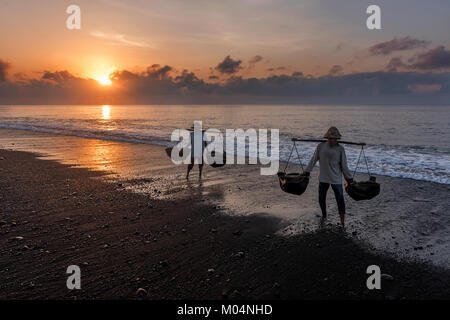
x,y
241,48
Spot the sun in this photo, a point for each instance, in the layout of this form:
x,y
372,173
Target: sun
x,y
104,80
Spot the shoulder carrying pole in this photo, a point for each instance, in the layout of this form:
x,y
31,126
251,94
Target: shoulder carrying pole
x,y
362,144
323,140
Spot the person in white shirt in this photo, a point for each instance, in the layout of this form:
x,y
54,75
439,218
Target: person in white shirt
x,y
332,165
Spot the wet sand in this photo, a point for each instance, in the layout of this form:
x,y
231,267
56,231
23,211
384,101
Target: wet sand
x,y
409,219
236,235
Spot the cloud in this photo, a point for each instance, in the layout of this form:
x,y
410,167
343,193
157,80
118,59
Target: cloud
x,y
298,74
254,60
336,70
58,76
124,76
229,66
371,87
162,85
188,80
397,44
425,88
158,72
120,39
276,69
436,59
4,66
395,64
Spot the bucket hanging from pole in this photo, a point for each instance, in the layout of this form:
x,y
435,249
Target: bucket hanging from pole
x,y
363,190
293,183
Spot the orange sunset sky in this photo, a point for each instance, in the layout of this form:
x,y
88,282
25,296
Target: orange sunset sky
x,y
261,39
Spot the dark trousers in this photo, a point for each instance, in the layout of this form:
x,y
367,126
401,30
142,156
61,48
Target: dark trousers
x,y
338,193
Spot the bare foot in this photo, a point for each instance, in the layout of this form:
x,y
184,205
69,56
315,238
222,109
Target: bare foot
x,y
322,220
342,216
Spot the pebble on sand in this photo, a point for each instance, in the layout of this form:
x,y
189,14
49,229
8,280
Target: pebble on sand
x,y
164,263
387,277
235,295
141,292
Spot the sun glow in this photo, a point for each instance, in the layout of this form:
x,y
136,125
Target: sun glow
x,y
106,112
104,80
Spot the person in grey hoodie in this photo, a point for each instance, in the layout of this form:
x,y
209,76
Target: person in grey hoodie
x,y
332,165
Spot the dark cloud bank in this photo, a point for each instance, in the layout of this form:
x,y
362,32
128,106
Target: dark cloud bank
x,y
163,85
431,60
4,66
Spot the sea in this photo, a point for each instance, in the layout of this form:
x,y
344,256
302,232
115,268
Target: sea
x,y
402,141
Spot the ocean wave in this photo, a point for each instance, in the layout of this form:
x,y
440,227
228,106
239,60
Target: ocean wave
x,y
414,162
120,136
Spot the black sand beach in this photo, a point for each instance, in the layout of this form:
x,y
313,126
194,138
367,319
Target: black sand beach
x,y
177,247
351,94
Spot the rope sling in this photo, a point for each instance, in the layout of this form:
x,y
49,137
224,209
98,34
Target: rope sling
x,y
363,190
357,163
294,146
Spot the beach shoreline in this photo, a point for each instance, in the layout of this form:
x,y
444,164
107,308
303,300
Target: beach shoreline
x,y
407,220
182,247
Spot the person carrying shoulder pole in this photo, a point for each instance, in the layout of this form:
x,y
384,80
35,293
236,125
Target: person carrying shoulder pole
x,y
332,165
